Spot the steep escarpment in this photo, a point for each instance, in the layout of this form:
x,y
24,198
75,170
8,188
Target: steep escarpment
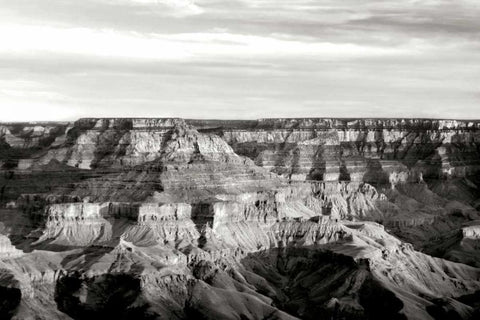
x,y
101,143
425,171
268,219
368,150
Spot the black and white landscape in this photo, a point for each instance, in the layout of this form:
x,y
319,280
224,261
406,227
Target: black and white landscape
x,y
261,219
241,159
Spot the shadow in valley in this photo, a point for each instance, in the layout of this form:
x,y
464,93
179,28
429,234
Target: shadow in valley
x,y
323,285
202,217
10,295
107,296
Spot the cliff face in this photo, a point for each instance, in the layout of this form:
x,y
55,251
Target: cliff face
x,y
375,151
275,218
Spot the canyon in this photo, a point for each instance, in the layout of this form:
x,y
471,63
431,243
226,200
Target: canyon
x,y
168,218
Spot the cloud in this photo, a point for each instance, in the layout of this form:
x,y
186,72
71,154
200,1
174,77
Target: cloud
x,y
240,58
106,43
179,8
109,43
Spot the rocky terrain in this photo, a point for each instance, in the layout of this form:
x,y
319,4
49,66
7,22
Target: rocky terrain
x,y
264,219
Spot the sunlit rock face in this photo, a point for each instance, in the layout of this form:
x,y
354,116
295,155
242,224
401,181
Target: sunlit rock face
x,y
356,150
268,219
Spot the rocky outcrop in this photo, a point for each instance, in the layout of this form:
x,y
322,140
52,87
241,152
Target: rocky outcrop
x,y
33,135
369,150
7,250
267,219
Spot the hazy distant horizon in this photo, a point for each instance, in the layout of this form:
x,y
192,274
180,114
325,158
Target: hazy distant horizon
x,y
61,60
237,119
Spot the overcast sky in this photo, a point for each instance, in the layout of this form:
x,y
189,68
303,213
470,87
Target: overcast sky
x,y
65,59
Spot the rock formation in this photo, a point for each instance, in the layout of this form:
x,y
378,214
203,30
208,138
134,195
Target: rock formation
x,y
267,219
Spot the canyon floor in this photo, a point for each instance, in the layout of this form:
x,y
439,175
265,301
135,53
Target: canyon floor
x,y
263,219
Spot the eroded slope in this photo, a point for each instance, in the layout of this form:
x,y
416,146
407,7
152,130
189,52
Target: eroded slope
x,y
163,219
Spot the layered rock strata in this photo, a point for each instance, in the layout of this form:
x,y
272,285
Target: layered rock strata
x,y
268,219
